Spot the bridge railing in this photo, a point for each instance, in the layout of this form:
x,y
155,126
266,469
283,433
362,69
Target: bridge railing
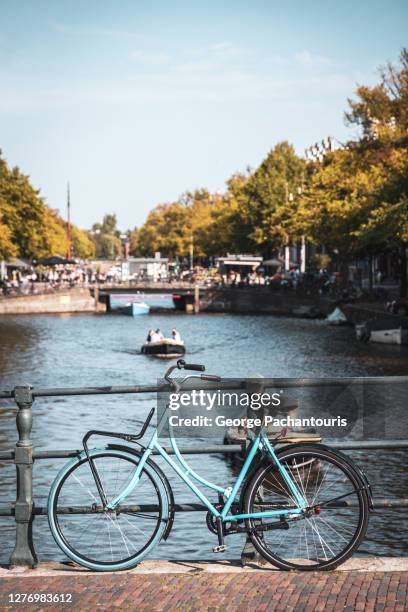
x,y
23,454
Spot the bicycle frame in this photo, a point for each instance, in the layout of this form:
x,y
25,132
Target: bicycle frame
x,y
187,474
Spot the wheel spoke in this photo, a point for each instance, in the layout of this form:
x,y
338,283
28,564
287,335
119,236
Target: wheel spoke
x,y
310,540
122,535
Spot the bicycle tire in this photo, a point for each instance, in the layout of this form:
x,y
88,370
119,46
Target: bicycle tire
x,y
63,535
268,473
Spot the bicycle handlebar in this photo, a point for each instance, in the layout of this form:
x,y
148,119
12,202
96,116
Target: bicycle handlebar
x,y
210,377
182,365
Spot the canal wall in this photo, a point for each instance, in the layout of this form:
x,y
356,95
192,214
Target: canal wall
x,y
251,300
263,300
72,300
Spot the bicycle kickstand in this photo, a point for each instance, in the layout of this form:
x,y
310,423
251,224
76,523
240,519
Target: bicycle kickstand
x,y
220,533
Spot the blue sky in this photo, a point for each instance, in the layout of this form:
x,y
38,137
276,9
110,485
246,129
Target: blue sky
x,y
135,102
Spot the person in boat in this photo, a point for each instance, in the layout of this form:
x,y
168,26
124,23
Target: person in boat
x,y
156,336
175,335
149,336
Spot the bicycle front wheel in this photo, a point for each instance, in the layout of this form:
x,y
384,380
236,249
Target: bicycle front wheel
x,y
101,539
333,527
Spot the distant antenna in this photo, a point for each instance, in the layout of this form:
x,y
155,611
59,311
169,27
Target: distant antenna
x,y
69,229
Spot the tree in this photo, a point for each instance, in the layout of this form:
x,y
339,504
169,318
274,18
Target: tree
x,y
200,224
58,243
7,248
109,224
386,226
382,111
166,230
197,219
33,228
335,203
264,209
382,114
355,201
30,228
106,238
224,232
83,246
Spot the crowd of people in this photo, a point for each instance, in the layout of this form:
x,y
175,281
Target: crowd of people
x,y
24,281
320,281
41,278
33,280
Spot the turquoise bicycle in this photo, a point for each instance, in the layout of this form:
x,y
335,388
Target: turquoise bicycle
x,y
304,506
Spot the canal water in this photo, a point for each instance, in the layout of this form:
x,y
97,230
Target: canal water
x,y
85,350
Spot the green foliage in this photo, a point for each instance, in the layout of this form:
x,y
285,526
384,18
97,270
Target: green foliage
x,y
31,225
219,235
106,238
28,227
166,230
109,224
264,213
356,199
7,248
382,111
83,246
253,214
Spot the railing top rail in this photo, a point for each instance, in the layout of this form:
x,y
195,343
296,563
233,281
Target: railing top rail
x,y
225,384
226,449
115,390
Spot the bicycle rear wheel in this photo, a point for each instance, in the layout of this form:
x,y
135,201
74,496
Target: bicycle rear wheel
x,y
100,539
334,527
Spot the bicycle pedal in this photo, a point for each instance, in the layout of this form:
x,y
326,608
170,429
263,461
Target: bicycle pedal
x,y
220,548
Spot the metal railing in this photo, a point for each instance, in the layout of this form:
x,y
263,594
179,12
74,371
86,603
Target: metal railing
x,y
23,455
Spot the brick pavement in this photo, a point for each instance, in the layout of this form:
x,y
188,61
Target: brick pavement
x,y
199,590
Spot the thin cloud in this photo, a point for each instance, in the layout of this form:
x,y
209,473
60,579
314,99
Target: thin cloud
x,y
215,57
151,58
89,30
312,60
169,85
224,49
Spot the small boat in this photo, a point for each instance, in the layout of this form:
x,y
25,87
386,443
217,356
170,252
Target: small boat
x,y
166,348
383,331
136,308
337,317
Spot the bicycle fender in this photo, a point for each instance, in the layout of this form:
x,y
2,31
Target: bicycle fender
x,y
266,458
162,476
360,473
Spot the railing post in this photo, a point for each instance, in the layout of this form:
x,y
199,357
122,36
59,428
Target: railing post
x,y
196,299
96,297
249,553
24,553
